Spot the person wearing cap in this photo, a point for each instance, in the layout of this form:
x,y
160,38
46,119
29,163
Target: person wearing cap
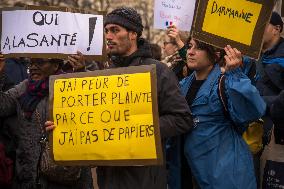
x,y
270,66
29,102
270,69
125,47
267,72
123,28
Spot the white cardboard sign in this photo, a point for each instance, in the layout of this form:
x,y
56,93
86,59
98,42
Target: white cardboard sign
x,y
177,12
38,31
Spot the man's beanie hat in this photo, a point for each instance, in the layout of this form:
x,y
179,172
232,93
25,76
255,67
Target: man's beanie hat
x,y
276,20
127,18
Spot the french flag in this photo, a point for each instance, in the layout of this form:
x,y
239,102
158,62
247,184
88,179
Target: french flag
x,y
169,23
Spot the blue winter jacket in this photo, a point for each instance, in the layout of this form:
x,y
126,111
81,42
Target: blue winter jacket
x,y
218,156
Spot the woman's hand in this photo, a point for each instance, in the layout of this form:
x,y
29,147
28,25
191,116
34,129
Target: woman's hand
x,y
49,126
173,32
233,58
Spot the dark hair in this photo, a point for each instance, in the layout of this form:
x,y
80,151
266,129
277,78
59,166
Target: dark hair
x,y
56,61
171,41
210,50
221,59
156,51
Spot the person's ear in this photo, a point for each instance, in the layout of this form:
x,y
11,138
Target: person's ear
x,y
277,29
133,35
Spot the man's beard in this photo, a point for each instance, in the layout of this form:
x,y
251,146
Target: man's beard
x,y
121,49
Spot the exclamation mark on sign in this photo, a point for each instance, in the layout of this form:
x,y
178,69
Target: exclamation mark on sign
x,y
92,26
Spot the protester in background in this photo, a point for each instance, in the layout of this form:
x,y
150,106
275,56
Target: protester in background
x,y
270,67
218,156
26,100
267,73
175,51
15,71
123,29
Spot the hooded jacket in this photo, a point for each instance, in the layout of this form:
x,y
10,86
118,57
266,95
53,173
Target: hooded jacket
x,y
174,118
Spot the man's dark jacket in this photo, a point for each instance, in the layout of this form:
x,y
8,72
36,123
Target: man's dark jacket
x,y
174,118
277,112
268,75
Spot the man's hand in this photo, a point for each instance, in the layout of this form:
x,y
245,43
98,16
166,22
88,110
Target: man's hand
x,y
173,32
233,58
2,63
77,61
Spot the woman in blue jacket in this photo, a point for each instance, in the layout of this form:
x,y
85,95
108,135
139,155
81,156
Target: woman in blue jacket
x,y
218,156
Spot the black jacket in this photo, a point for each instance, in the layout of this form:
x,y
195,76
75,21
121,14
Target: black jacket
x,y
270,79
277,111
270,69
175,119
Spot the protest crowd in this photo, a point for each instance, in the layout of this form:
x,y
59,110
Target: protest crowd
x,y
220,112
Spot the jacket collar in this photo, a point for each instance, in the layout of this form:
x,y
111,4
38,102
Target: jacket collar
x,y
276,51
208,84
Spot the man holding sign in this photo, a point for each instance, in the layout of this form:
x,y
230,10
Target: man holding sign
x,y
123,28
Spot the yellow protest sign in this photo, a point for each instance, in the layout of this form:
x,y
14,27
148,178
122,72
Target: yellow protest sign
x,y
234,19
239,23
106,117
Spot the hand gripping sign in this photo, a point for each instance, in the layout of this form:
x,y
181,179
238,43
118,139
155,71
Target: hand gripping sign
x,y
177,12
106,117
239,23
